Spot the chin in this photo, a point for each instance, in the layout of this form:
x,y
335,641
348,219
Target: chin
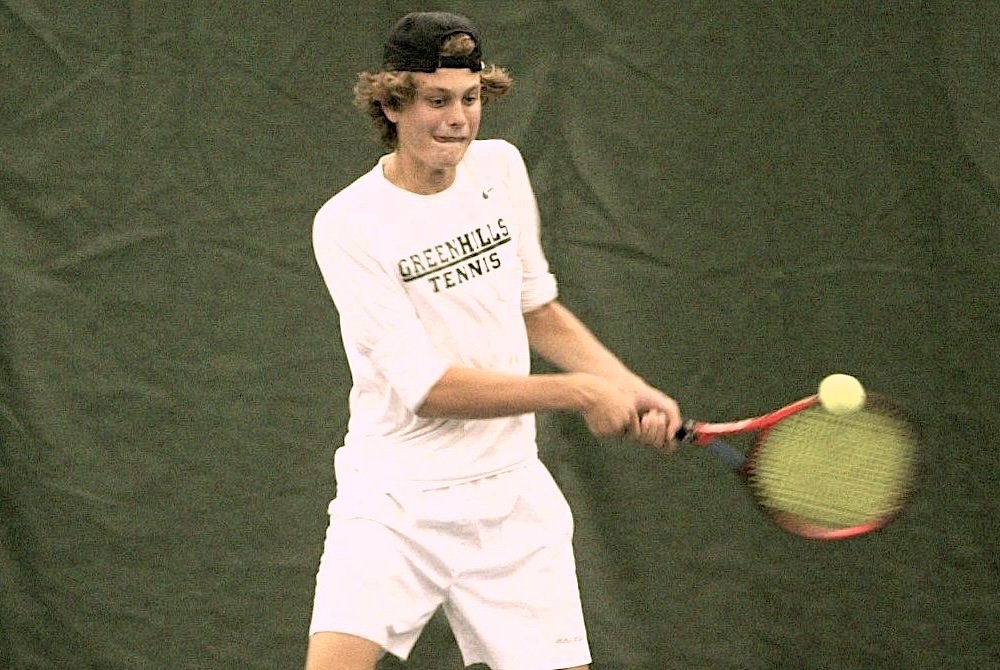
x,y
452,156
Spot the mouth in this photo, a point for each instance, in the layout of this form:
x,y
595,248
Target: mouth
x,y
450,140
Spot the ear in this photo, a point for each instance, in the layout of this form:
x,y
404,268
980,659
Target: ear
x,y
391,114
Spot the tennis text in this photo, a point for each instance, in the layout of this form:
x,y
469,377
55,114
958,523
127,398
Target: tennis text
x,y
458,260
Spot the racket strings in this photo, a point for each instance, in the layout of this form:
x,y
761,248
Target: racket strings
x,y
835,471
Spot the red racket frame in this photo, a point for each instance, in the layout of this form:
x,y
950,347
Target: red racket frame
x,y
708,434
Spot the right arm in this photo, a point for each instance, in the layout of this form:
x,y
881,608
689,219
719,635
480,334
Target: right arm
x,y
469,393
381,323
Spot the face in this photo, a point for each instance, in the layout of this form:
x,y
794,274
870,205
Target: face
x,y
437,127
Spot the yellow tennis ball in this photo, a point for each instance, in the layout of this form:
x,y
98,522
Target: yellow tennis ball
x,y
840,393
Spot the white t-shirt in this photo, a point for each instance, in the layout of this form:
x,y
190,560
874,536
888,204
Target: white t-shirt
x,y
423,282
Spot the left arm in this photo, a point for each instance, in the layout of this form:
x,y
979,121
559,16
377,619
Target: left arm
x,y
558,336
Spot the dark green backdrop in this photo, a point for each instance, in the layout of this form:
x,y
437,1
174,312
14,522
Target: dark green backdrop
x,y
739,197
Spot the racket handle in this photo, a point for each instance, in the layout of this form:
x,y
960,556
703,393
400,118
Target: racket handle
x,y
685,433
727,454
734,459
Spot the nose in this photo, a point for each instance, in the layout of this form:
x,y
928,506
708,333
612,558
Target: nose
x,y
456,114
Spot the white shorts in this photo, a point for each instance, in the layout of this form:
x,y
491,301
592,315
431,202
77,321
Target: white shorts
x,y
495,554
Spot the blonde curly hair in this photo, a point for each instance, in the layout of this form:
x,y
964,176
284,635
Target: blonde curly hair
x,y
393,89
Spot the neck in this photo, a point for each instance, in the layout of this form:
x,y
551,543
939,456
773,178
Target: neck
x,y
417,178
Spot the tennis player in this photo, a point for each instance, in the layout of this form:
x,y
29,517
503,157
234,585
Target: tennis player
x,y
434,263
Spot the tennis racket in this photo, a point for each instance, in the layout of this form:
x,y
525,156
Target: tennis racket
x,y
819,474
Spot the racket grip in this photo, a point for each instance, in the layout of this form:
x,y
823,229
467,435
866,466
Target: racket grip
x,y
727,454
686,432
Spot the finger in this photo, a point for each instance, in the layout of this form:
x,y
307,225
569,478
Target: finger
x,y
673,425
654,428
634,428
673,418
666,424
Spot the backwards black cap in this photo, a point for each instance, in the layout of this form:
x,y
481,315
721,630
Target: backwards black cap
x,y
414,43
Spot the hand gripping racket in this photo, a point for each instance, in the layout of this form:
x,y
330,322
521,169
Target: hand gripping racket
x,y
819,474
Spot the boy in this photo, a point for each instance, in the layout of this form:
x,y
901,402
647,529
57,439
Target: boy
x,y
434,263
